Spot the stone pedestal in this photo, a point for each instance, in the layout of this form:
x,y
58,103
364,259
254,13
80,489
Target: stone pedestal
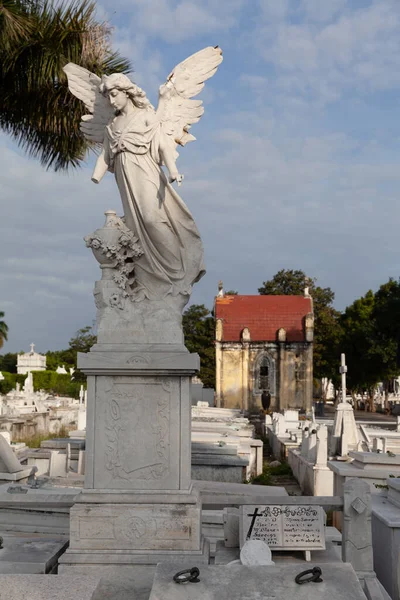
x,y
138,505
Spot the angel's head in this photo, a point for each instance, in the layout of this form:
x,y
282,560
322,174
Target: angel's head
x,y
119,89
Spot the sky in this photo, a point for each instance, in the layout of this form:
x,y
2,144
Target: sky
x,y
296,163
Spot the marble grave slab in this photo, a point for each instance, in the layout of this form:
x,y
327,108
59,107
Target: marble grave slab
x,y
237,582
283,527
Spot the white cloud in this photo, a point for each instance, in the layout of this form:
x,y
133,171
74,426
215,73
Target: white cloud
x,y
358,52
273,9
315,10
176,21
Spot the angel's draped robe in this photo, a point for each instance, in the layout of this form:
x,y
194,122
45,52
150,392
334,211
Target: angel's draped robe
x,y
173,252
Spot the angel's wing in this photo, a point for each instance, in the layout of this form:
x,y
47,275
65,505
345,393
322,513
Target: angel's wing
x,y
175,109
85,85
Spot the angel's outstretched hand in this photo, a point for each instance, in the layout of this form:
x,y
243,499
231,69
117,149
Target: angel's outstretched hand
x,y
178,177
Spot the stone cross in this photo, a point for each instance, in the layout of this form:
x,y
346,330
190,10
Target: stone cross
x,y
32,348
343,371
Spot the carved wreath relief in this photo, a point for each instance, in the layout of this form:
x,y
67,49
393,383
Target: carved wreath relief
x,y
137,445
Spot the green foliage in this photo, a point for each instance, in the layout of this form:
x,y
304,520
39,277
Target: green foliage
x,y
49,381
37,39
269,473
35,440
327,329
10,381
8,362
371,340
359,344
55,383
58,358
198,328
82,341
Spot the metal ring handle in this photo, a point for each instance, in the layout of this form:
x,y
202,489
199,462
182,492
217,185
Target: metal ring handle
x,y
187,576
314,573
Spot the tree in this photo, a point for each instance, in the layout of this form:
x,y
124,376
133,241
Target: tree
x,y
198,328
83,340
358,344
8,362
327,330
371,340
3,330
37,39
386,315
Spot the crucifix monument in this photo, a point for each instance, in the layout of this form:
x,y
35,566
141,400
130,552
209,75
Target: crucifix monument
x,y
345,434
138,505
343,371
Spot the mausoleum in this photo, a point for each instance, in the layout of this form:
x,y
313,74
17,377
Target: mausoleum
x,y
264,343
30,361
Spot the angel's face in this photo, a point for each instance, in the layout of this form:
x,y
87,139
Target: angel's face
x,y
118,99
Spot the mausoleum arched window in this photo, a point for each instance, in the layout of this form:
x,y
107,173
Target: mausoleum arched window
x,y
264,374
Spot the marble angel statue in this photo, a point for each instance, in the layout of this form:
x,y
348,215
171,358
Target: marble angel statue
x,y
137,141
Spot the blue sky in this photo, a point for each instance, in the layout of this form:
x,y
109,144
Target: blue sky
x,y
296,163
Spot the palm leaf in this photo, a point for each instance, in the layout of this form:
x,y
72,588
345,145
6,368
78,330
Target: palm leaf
x,y
3,330
36,108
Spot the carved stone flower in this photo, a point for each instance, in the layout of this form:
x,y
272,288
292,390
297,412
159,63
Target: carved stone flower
x,y
120,279
111,251
124,239
95,243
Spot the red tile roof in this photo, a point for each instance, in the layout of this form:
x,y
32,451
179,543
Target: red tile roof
x,y
263,316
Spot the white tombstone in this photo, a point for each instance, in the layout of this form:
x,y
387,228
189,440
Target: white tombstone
x,y
61,370
322,445
1,376
312,446
255,553
9,463
28,384
280,425
377,444
81,418
305,442
58,464
291,416
81,462
81,395
7,436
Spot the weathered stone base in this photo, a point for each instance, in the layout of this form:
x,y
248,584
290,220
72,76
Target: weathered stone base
x,y
141,528
109,562
120,320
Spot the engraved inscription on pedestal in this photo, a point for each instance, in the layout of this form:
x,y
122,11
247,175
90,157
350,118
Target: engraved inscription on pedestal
x,y
136,527
284,527
138,423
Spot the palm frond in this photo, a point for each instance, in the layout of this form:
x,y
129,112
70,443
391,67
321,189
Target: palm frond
x,y
36,107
